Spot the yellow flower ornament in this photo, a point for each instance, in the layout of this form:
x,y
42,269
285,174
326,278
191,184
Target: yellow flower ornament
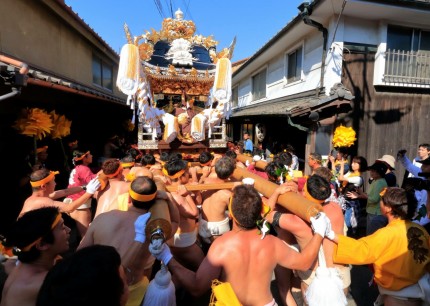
x,y
61,126
34,122
343,137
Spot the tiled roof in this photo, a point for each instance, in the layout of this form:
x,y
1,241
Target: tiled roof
x,y
40,78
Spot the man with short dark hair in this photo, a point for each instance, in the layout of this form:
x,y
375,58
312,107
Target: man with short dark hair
x,y
115,228
213,220
248,146
314,161
242,256
183,242
113,179
37,237
43,184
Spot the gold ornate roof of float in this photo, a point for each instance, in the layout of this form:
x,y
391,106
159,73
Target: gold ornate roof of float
x,y
176,79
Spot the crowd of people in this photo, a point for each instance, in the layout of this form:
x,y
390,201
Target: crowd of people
x,y
219,233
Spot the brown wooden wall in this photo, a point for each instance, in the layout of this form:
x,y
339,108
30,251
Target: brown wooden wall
x,y
385,119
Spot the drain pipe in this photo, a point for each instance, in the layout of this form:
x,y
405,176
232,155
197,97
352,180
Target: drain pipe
x,y
15,91
305,12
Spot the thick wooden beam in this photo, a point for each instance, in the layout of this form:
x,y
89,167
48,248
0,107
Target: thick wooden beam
x,y
292,201
261,164
200,187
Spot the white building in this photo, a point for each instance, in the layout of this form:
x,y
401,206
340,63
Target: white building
x,y
378,50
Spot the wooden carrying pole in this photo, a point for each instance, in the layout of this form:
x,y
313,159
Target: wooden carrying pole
x,y
292,201
200,187
160,216
261,164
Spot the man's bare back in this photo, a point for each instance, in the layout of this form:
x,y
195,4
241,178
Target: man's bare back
x,y
35,202
215,205
114,228
107,199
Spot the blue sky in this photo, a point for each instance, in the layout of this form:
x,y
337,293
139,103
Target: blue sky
x,y
254,22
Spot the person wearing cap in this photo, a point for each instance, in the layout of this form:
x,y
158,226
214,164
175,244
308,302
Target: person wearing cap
x,y
390,176
375,219
112,186
37,238
121,229
398,252
44,193
81,175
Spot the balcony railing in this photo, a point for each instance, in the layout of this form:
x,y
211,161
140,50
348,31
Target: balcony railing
x,y
407,67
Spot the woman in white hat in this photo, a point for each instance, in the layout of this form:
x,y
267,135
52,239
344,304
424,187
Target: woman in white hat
x,y
390,176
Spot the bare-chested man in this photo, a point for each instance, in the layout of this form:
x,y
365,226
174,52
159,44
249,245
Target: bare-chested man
x,y
183,242
107,198
213,219
241,257
115,228
317,190
44,194
37,237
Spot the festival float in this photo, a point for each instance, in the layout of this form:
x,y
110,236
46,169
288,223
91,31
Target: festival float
x,y
179,87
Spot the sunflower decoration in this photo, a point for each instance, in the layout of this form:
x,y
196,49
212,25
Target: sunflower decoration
x,y
128,125
61,125
343,137
34,122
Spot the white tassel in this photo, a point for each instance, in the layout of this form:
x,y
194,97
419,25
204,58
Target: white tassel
x,y
128,70
161,291
327,288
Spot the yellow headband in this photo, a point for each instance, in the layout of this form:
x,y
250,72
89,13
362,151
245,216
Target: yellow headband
x,y
174,176
54,224
141,197
130,177
127,165
45,180
309,197
114,174
82,156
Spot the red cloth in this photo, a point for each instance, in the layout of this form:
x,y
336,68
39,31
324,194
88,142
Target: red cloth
x,y
251,168
80,176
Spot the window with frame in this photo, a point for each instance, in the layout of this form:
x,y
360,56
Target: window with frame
x,y
294,65
408,55
259,85
102,73
235,96
407,39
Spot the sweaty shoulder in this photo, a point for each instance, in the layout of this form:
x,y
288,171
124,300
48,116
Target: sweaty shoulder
x,y
335,214
37,202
